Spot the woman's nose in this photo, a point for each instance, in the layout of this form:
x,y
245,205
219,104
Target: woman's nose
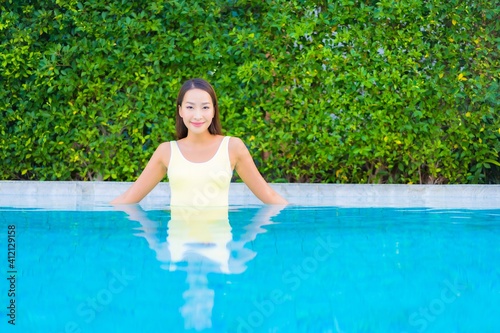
x,y
197,113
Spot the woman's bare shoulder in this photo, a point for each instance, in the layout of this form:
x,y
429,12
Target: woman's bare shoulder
x,y
163,151
165,144
164,147
234,141
236,145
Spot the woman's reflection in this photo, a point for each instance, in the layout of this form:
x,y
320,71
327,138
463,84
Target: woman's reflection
x,y
200,241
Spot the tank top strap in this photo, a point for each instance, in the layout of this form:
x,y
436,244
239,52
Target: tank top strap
x,y
223,151
174,148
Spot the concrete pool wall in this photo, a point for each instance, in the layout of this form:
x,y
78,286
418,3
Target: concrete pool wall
x,y
67,194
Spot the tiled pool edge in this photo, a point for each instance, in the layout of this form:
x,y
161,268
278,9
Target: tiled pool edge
x,y
68,194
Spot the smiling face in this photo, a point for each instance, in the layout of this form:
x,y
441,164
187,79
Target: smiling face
x,y
197,93
197,111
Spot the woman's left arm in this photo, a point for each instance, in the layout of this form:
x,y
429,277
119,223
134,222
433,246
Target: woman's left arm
x,y
248,172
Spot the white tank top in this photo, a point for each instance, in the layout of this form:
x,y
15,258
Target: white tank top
x,y
204,184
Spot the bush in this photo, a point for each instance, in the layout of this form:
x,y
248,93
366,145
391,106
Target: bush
x,y
321,91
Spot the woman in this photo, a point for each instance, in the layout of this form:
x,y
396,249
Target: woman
x,y
201,162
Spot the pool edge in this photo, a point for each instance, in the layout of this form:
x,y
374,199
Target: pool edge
x,y
80,193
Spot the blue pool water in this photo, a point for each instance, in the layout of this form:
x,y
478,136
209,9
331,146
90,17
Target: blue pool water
x,y
254,269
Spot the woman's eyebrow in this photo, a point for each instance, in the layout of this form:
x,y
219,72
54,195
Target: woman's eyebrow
x,y
193,103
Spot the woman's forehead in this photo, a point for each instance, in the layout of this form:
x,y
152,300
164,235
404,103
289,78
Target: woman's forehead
x,y
197,96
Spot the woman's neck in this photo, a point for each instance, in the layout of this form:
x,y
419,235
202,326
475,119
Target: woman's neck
x,y
201,138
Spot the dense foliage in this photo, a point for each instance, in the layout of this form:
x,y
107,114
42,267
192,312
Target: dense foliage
x,y
349,91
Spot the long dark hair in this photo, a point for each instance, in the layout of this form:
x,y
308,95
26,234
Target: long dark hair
x,y
215,127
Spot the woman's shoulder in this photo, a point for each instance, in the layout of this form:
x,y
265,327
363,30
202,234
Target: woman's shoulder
x,y
164,148
163,152
235,142
165,145
237,146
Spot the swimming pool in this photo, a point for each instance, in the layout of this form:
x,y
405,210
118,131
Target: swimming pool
x,y
253,268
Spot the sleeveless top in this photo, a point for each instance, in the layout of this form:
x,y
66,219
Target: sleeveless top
x,y
204,184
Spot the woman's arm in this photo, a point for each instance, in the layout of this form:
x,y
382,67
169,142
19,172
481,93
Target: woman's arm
x,y
154,172
248,172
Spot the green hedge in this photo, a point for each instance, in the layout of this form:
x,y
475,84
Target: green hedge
x,y
321,91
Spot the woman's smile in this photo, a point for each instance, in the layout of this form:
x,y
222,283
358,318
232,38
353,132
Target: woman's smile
x,y
197,123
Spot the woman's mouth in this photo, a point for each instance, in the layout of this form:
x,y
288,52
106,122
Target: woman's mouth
x,y
197,124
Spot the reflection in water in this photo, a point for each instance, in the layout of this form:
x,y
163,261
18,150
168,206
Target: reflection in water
x,y
203,232
199,241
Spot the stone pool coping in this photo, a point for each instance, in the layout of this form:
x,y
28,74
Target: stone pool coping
x,y
74,194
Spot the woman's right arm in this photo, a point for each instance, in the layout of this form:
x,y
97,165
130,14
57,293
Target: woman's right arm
x,y
152,174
